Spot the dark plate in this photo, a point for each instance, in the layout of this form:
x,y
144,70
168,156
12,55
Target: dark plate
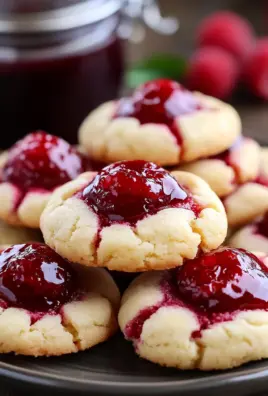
x,y
114,369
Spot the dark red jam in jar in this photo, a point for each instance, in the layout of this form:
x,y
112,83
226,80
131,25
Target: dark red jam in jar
x,y
58,61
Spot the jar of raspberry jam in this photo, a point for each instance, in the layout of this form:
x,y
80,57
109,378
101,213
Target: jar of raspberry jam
x,y
59,59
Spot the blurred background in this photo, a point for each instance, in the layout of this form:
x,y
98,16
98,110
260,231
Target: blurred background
x,y
190,13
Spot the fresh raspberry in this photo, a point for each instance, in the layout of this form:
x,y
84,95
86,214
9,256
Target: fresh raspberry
x,y
229,31
255,73
212,71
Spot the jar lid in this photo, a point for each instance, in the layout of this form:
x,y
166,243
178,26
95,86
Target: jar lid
x,y
31,16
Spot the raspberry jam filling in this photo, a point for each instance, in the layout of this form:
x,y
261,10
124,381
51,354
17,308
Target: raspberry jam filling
x,y
224,281
232,158
215,287
159,102
262,178
262,226
34,277
128,191
42,161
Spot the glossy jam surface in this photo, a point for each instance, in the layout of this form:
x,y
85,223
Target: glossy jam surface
x,y
262,226
55,88
42,161
224,281
34,277
214,287
127,191
160,102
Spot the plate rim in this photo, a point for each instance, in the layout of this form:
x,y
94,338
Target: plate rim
x,y
186,386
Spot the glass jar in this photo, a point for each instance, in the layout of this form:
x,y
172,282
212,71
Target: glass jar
x,y
57,63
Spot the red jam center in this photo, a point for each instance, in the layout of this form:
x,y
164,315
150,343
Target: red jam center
x,y
160,102
42,161
231,157
224,280
128,191
213,286
262,178
262,226
34,277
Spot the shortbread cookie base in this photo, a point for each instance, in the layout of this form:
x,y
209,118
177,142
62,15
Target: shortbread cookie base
x,y
249,238
159,241
78,326
223,178
167,336
27,213
246,203
204,133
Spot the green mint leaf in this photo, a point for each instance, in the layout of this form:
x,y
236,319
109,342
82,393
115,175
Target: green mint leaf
x,y
135,77
157,66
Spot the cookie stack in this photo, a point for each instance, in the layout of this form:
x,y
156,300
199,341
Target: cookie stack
x,y
47,306
151,209
254,234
